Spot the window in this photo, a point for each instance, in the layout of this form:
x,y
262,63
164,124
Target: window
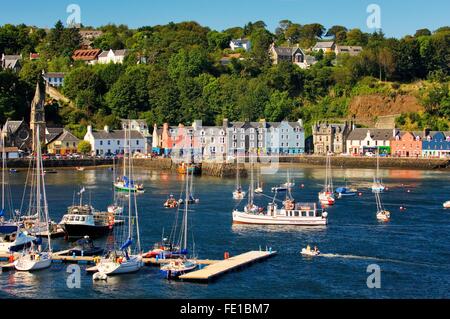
x,y
252,144
137,142
101,143
252,137
243,137
212,140
109,142
118,142
242,144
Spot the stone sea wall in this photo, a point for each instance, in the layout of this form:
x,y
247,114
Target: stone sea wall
x,y
63,163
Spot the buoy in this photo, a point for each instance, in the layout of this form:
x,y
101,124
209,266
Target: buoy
x,y
409,191
226,255
302,186
359,194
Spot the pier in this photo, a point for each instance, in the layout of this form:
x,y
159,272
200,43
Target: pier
x,y
219,268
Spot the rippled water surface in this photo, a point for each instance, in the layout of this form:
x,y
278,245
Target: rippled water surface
x,y
412,250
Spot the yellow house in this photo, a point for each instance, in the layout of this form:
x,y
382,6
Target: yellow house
x,y
324,46
65,143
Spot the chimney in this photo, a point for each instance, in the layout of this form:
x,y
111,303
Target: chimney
x,y
225,123
106,128
300,122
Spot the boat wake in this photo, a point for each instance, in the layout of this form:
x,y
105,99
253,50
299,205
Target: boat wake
x,y
379,259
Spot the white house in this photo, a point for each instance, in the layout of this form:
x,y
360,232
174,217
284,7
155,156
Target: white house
x,y
142,127
363,140
240,44
112,56
211,140
55,79
107,142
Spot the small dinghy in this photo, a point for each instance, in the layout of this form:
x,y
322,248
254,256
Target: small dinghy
x,y
446,204
310,252
171,202
99,276
384,216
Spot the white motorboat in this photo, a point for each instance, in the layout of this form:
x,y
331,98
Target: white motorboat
x,y
310,252
15,241
239,194
446,204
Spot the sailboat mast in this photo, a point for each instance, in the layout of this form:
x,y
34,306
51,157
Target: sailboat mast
x,y
3,170
186,205
44,194
250,197
38,179
128,143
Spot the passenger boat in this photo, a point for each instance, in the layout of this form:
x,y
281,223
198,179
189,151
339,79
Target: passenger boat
x,y
326,196
125,255
291,213
382,214
84,220
37,257
308,252
85,247
182,264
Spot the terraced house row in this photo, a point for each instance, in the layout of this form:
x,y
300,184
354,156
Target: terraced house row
x,y
346,139
230,139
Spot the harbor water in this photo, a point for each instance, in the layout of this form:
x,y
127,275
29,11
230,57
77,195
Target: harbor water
x,y
412,250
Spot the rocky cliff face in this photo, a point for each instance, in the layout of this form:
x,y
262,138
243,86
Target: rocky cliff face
x,y
367,108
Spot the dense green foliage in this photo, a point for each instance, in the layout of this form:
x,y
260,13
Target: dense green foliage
x,y
182,78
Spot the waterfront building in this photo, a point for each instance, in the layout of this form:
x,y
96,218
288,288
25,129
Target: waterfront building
x,y
112,56
286,138
108,142
350,50
407,144
17,134
330,138
370,140
142,127
436,144
211,141
293,55
63,144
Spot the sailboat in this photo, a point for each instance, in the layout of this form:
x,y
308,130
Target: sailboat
x,y
181,265
124,183
345,191
12,237
382,214
238,192
192,199
123,258
36,257
117,207
285,186
377,185
326,196
259,187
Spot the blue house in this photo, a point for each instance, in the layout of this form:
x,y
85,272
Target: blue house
x,y
436,144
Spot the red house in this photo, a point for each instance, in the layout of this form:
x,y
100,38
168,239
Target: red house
x,y
407,144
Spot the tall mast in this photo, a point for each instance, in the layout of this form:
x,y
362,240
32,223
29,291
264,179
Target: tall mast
x,y
186,204
128,143
250,196
3,171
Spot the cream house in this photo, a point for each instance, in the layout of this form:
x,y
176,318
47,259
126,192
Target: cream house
x,y
112,56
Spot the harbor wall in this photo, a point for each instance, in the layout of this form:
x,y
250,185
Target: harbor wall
x,y
154,163
62,163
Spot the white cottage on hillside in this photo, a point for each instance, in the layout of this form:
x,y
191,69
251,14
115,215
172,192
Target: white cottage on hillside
x,y
108,142
112,56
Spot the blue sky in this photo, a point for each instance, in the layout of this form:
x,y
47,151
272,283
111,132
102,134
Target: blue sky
x,y
398,17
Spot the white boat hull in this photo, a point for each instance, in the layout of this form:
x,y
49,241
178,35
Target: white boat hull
x,y
26,263
244,218
21,242
383,216
238,195
326,199
446,204
110,268
310,253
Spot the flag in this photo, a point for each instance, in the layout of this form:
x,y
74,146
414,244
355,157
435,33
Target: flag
x,y
2,213
82,191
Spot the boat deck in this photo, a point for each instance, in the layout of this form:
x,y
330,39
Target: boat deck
x,y
219,268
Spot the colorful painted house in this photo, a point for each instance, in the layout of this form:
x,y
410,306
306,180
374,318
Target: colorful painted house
x,y
436,144
407,144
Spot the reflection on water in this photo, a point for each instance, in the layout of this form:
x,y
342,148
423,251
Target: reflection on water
x,y
242,229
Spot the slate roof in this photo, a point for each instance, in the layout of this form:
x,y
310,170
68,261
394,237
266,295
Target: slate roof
x,y
359,134
104,54
324,45
118,134
12,126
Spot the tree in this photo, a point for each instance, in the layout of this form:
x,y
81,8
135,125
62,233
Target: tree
x,y
278,107
189,63
422,32
335,31
84,147
261,40
356,37
218,40
14,95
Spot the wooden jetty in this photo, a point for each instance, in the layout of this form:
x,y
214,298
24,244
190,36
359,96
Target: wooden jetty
x,y
219,268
